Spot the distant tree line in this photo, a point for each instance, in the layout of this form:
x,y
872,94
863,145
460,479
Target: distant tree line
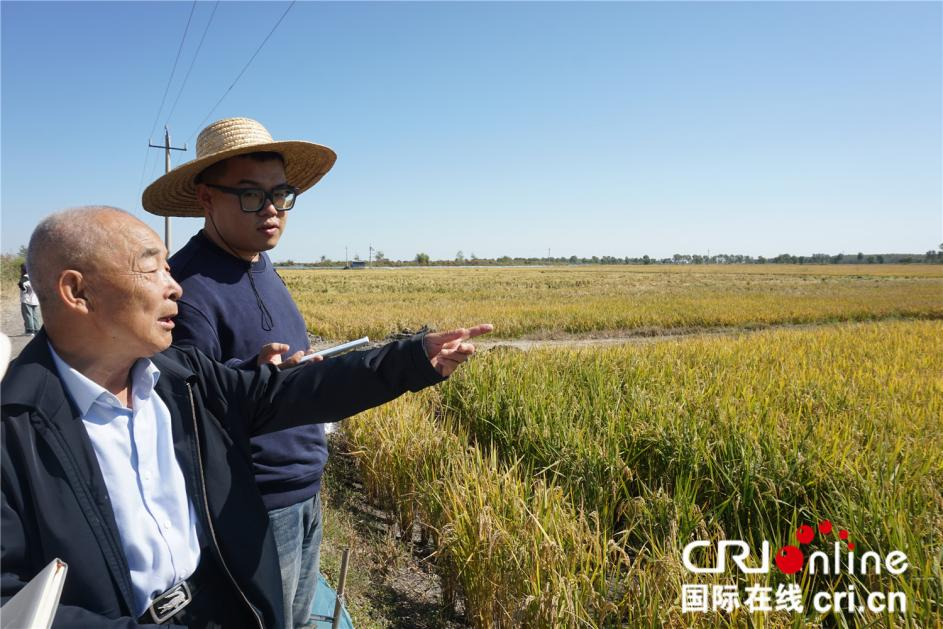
x,y
10,263
423,259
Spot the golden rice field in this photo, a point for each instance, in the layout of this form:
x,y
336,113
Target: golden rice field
x,y
619,300
559,487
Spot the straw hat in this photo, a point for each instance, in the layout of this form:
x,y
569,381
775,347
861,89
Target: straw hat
x,y
174,194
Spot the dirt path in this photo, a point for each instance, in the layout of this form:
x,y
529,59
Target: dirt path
x,y
11,324
638,337
392,581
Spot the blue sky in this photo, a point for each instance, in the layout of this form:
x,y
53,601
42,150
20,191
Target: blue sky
x,y
504,128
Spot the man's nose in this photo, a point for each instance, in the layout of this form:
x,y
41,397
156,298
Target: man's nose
x,y
176,290
268,209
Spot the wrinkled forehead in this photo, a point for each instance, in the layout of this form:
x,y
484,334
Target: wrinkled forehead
x,y
124,243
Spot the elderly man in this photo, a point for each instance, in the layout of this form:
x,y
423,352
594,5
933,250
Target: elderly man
x,y
236,309
131,461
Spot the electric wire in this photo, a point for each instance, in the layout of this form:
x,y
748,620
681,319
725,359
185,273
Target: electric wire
x,y
192,62
241,72
174,70
166,89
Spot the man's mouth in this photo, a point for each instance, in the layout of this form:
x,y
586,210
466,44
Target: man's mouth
x,y
269,229
167,322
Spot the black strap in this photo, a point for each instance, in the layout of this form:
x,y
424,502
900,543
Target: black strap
x,y
191,586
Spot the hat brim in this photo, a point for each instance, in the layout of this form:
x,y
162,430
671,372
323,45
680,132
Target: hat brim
x,y
174,194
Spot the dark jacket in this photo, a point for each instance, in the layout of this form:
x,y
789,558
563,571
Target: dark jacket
x,y
54,499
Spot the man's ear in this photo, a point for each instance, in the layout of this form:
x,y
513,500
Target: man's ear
x,y
204,197
73,291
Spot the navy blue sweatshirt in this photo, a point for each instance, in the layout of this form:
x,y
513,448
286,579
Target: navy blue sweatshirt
x,y
221,315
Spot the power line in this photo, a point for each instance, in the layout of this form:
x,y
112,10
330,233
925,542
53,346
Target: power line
x,y
173,71
166,89
241,72
192,62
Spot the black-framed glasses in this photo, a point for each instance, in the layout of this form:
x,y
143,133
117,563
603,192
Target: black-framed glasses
x,y
253,199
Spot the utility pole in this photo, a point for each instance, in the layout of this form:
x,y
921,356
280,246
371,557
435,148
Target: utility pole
x,y
167,149
346,258
370,257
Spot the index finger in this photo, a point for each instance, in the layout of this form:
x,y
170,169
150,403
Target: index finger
x,y
478,330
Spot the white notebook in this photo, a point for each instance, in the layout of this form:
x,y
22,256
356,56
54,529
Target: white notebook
x,y
35,605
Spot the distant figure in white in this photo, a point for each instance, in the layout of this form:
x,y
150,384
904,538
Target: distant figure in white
x,y
29,304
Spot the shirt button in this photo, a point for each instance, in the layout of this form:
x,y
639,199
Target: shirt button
x,y
146,476
166,524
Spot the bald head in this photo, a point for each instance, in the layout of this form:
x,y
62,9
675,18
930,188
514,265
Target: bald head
x,y
104,287
78,238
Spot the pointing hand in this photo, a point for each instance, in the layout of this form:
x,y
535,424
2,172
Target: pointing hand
x,y
448,350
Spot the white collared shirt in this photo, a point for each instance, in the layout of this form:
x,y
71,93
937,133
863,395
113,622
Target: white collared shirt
x,y
135,452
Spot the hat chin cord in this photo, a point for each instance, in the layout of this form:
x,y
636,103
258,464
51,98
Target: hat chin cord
x,y
267,321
